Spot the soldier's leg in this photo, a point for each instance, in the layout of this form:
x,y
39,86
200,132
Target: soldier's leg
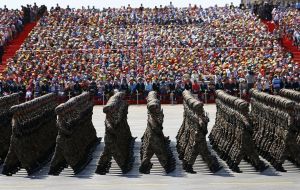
x,y
104,161
58,162
252,156
11,164
146,164
207,157
165,157
191,153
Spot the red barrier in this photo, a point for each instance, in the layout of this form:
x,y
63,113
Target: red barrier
x,y
134,99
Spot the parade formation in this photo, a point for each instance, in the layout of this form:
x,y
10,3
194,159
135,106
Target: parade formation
x,y
33,135
191,137
76,138
41,131
231,134
118,140
153,140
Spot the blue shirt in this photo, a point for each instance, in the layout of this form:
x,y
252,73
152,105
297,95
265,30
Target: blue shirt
x,y
276,83
148,87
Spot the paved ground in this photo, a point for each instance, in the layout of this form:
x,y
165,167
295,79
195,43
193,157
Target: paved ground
x,y
224,179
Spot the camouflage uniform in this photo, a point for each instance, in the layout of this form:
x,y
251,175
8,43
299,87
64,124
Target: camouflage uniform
x,y
231,135
119,142
191,137
6,103
76,138
153,140
33,135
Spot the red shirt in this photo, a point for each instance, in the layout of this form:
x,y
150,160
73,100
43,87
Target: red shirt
x,y
196,87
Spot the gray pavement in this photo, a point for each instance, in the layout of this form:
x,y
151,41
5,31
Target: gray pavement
x,y
137,119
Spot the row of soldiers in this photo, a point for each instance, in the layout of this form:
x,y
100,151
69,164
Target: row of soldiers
x,y
275,122
6,103
39,127
231,135
153,140
191,137
33,135
77,138
118,139
36,133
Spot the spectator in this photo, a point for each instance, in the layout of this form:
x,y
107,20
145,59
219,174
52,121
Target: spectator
x,y
276,83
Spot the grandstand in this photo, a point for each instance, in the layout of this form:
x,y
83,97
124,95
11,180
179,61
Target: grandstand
x,y
168,49
57,54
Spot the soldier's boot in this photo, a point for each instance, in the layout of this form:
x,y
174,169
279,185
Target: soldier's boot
x,y
145,168
214,166
261,166
56,170
188,167
102,169
9,171
171,165
279,167
34,168
233,166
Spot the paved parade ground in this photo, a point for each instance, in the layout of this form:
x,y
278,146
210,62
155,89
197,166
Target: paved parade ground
x,y
157,179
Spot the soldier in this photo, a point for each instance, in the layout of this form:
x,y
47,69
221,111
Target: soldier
x,y
153,140
231,134
33,135
6,103
191,137
118,139
76,138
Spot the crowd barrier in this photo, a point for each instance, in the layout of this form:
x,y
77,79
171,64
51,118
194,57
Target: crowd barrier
x,y
207,97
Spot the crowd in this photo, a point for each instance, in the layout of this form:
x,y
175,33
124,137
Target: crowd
x,y
288,21
167,49
10,24
13,21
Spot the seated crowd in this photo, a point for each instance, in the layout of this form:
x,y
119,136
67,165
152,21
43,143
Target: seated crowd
x,y
10,25
289,22
13,21
137,50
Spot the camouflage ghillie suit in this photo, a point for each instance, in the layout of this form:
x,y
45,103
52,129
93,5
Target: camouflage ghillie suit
x,y
231,136
6,103
153,140
274,127
33,135
76,138
294,146
191,137
119,142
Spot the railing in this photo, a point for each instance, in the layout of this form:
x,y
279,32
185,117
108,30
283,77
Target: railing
x,y
207,97
137,98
